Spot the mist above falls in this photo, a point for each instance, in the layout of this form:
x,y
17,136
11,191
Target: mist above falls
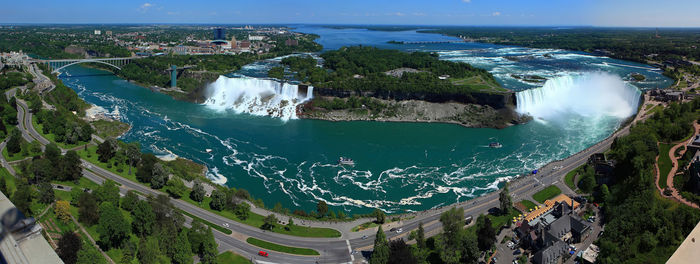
x,y
590,96
256,96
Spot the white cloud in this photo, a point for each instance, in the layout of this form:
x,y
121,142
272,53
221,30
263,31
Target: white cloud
x,y
143,8
496,14
467,1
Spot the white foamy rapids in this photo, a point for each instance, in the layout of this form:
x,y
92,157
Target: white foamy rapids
x,y
257,97
594,95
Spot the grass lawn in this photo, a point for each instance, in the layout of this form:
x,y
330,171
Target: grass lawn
x,y
569,178
364,226
528,204
26,152
82,183
547,193
91,156
281,248
51,137
664,164
9,180
477,83
256,220
500,220
109,129
229,257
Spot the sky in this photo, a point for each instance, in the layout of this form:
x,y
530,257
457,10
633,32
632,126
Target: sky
x,y
627,13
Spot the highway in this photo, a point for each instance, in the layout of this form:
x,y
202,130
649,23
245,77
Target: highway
x,y
337,250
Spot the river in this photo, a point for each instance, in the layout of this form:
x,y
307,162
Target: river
x,y
399,166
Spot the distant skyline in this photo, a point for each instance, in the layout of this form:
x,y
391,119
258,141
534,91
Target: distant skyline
x,y
623,13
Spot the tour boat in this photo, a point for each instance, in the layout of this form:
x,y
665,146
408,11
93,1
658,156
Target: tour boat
x,y
495,145
346,161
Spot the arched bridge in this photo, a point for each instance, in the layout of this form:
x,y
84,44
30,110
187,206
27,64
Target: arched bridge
x,y
57,65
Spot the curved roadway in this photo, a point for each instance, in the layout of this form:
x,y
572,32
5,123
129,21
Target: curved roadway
x,y
337,250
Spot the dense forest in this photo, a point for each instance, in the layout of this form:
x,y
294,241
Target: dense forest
x,y
641,226
372,71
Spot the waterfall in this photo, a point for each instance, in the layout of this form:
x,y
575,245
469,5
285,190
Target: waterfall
x,y
592,95
257,96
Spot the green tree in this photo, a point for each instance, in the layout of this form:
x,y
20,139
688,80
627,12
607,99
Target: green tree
x,y
144,173
198,192
420,236
68,247
108,192
71,166
3,186
505,200
604,193
379,214
269,222
90,255
196,236
143,219
380,254
587,183
112,226
209,248
243,210
133,153
42,170
106,150
87,209
400,253
159,176
218,200
322,208
182,248
46,193
129,200
14,145
149,250
176,188
276,72
53,153
486,234
22,198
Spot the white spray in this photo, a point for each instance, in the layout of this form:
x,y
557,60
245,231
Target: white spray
x,y
593,95
257,97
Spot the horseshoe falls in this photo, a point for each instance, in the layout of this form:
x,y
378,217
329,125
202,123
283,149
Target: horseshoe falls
x,y
591,95
256,96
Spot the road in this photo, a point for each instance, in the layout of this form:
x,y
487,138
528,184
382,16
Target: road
x,y
332,250
335,250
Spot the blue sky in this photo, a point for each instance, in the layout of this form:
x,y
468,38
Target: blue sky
x,y
651,13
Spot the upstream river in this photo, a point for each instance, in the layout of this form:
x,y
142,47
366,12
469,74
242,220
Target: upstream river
x,y
399,166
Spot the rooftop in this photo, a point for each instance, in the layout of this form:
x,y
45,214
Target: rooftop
x,y
689,250
26,245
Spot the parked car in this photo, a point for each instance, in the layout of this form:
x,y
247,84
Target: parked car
x,y
392,230
468,219
517,252
398,231
263,253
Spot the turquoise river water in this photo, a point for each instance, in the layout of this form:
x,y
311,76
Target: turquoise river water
x,y
399,166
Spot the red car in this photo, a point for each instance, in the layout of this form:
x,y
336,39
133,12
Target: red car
x,y
263,253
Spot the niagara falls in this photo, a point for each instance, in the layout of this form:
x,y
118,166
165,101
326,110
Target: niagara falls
x,y
590,95
257,96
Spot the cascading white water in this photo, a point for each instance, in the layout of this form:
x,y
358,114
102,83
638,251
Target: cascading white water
x,y
592,95
257,96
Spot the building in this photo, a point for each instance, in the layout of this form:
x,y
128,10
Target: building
x,y
244,46
603,168
22,241
694,173
108,33
590,255
98,32
180,50
688,251
234,44
219,34
694,145
255,38
291,42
